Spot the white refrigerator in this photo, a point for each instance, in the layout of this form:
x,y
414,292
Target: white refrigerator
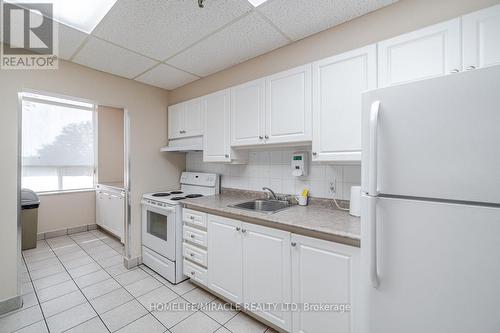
x,y
430,246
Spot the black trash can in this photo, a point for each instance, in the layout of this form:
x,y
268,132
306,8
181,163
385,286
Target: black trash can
x,y
29,218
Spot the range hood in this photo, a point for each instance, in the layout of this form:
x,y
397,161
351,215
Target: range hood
x,y
185,144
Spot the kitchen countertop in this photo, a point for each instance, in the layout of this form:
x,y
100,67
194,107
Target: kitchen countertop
x,y
114,185
313,220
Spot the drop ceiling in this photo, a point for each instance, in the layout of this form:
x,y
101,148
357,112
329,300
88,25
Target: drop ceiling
x,y
169,43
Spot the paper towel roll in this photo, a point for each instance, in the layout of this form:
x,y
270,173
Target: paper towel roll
x,y
355,204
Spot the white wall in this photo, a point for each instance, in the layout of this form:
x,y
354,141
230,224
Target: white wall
x,y
66,210
272,169
110,144
150,169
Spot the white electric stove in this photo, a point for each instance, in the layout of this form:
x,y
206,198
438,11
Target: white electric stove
x,y
162,223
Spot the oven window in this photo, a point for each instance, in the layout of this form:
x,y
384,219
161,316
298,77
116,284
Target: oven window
x,y
157,225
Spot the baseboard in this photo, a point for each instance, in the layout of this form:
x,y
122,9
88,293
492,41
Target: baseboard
x,y
11,304
132,262
66,231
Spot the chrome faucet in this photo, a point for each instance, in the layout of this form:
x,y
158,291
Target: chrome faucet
x,y
271,193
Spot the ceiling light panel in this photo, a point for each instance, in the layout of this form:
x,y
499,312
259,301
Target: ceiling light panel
x,y
83,15
256,3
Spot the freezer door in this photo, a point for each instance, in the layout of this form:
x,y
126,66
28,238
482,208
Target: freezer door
x,y
438,268
437,138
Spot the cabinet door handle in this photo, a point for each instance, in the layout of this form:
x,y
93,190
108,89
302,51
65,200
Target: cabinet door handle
x,y
238,228
294,244
244,230
267,137
315,153
191,217
226,156
454,71
192,273
470,68
192,236
261,137
191,254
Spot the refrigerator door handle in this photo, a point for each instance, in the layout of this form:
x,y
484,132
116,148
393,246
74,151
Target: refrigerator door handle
x,y
372,162
372,215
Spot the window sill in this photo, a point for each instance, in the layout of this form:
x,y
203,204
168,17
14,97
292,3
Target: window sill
x,y
41,194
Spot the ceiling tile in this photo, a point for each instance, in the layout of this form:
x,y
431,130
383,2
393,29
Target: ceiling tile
x,y
69,41
247,38
166,77
110,58
160,28
299,18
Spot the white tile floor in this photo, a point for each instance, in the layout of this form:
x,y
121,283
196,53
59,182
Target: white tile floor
x,y
78,283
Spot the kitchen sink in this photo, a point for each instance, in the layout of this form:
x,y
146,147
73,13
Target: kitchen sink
x,y
263,206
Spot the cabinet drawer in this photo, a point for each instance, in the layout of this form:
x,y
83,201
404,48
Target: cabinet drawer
x,y
194,254
158,263
195,236
195,218
195,272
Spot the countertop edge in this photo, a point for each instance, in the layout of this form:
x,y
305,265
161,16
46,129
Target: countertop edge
x,y
280,226
114,186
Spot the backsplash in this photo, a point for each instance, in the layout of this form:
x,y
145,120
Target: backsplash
x,y
272,169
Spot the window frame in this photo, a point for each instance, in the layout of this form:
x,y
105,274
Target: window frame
x,y
48,98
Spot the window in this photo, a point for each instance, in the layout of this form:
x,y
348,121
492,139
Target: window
x,y
58,144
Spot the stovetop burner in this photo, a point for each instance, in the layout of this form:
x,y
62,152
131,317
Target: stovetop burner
x,y
161,194
194,195
177,198
176,192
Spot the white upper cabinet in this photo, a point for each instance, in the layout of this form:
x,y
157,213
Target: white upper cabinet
x,y
193,121
422,54
337,86
175,121
248,113
481,38
324,273
216,143
185,119
289,106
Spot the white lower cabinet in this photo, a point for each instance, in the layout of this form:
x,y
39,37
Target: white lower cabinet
x,y
266,272
254,266
250,265
324,273
225,273
195,245
110,211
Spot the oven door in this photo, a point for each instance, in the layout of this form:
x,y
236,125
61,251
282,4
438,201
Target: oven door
x,y
158,230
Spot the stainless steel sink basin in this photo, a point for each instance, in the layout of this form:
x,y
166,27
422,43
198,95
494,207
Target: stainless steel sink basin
x,y
263,206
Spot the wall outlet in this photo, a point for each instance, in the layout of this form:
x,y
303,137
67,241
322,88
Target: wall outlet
x,y
332,189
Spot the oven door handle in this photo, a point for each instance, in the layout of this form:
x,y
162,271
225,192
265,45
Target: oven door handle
x,y
158,209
